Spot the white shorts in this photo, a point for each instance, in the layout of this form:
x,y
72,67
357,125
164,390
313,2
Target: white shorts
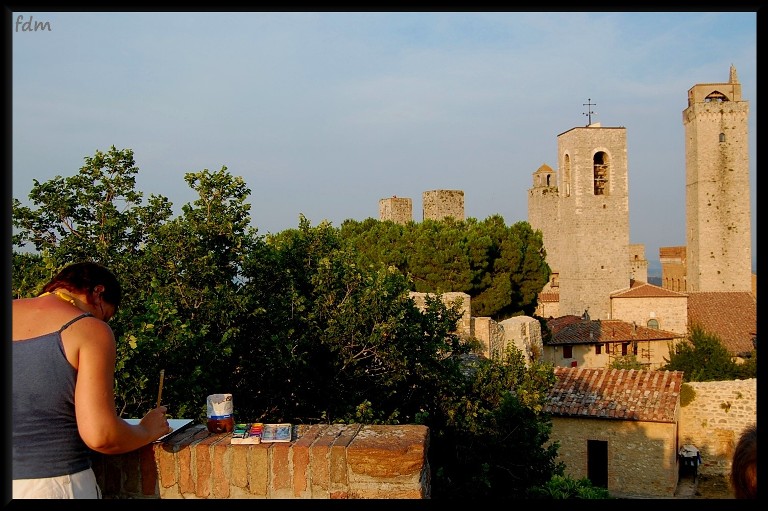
x,y
81,485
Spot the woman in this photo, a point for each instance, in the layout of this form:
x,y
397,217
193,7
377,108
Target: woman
x,y
63,386
744,465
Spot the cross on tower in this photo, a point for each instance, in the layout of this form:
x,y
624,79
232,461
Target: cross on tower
x,y
589,112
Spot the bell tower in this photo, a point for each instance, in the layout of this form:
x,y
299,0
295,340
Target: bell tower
x,y
717,198
593,225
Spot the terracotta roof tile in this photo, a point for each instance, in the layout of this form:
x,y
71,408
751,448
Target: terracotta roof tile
x,y
549,297
575,330
731,316
625,394
638,289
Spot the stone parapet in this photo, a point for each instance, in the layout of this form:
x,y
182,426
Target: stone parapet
x,y
323,461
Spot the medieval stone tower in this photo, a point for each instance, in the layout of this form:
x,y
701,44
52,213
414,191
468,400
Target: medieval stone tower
x,y
396,209
585,220
439,204
717,199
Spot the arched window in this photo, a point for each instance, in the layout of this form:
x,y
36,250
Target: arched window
x,y
653,323
600,166
722,137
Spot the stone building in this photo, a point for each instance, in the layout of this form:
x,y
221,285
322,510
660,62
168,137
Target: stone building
x,y
396,209
578,341
619,428
439,204
717,199
651,306
673,268
583,213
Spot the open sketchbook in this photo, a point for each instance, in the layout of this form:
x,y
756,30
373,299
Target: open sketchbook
x,y
176,424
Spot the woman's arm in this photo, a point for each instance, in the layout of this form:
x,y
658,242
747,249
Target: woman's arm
x,y
100,427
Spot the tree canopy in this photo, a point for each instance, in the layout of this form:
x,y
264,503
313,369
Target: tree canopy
x,y
312,324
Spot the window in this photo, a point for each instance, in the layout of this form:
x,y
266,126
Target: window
x,y
567,351
722,137
567,175
598,349
653,323
600,166
624,346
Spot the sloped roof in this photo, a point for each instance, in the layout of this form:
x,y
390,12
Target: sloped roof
x,y
549,297
623,394
639,289
575,330
731,316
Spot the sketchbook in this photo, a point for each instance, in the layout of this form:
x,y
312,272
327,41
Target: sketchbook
x,y
176,424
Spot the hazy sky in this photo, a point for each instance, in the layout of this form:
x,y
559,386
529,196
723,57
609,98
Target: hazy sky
x,y
324,114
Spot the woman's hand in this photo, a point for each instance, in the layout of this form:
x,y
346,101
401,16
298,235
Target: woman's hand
x,y
156,423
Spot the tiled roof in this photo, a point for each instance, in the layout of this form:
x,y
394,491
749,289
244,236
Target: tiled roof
x,y
549,296
731,316
575,330
638,289
625,394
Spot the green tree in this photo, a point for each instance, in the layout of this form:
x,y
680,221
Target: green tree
x,y
564,487
626,362
300,326
702,357
490,439
502,268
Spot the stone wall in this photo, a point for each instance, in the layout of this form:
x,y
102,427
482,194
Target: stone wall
x,y
323,461
715,417
670,311
642,456
464,326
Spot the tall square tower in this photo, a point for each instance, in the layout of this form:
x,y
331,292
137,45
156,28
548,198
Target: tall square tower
x,y
717,199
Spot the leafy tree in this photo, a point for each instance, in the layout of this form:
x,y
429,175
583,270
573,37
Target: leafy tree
x,y
311,324
627,362
502,268
702,357
564,487
490,437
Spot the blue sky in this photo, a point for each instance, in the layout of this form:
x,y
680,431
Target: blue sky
x,y
324,114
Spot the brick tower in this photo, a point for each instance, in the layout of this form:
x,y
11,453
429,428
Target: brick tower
x,y
717,200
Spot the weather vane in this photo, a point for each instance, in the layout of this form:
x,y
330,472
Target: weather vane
x,y
589,111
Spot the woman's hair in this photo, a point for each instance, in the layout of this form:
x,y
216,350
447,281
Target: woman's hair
x,y
744,465
84,277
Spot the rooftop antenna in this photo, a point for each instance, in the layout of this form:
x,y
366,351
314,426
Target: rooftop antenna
x,y
589,111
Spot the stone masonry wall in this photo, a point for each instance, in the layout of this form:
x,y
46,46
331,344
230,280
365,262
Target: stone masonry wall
x,y
323,461
714,419
634,451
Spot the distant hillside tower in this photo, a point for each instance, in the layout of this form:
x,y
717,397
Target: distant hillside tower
x,y
396,209
717,200
438,204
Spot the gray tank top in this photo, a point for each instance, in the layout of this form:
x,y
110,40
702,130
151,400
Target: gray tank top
x,y
46,442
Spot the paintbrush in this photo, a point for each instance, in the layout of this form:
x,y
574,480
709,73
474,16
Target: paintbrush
x,y
160,387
